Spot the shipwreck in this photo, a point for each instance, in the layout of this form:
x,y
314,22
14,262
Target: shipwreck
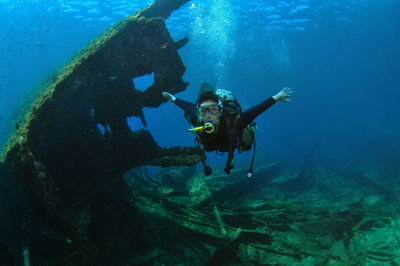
x,y
73,195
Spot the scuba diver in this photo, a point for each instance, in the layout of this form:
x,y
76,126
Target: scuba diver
x,y
219,123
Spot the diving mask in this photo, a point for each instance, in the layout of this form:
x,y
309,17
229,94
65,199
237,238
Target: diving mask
x,y
205,110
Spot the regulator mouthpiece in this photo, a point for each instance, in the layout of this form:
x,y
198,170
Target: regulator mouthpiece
x,y
208,128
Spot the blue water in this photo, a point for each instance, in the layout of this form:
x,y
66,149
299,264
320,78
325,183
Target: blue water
x,y
341,58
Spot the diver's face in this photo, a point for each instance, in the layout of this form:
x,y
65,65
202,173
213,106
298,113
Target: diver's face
x,y
209,111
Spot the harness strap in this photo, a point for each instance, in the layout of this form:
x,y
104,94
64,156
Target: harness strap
x,y
232,118
232,141
206,169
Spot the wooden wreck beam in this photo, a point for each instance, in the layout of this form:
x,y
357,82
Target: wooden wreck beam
x,y
95,88
161,8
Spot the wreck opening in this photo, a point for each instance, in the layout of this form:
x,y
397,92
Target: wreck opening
x,y
143,82
134,123
101,128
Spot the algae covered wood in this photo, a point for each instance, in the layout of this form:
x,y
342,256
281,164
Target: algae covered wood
x,y
59,135
309,226
59,161
60,130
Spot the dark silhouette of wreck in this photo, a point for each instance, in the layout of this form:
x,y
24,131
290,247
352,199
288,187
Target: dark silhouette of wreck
x,y
58,171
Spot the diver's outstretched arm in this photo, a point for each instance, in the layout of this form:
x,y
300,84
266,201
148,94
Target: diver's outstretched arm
x,y
188,107
253,112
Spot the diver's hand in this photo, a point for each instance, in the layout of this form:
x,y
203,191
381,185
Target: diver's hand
x,y
283,95
168,96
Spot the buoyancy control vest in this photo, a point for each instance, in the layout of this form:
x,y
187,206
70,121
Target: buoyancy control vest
x,y
232,113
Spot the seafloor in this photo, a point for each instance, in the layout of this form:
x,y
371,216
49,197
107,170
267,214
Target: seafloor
x,y
314,216
285,215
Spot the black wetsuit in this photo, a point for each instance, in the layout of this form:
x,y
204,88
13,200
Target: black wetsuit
x,y
219,140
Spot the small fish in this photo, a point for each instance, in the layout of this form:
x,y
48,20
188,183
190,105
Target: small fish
x,y
37,44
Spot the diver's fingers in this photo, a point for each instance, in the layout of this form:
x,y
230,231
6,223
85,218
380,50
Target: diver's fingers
x,y
287,91
168,96
287,94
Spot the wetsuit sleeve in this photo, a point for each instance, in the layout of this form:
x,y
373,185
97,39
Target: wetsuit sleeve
x,y
251,114
189,108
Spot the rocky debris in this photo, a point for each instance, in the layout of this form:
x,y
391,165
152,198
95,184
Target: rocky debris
x,y
269,226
